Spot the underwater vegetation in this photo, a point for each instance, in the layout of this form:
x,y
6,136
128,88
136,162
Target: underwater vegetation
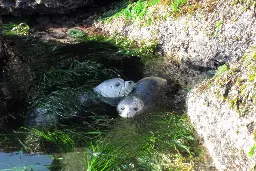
x,y
159,141
59,73
16,29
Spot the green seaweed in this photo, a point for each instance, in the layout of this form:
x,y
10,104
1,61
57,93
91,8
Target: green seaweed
x,y
176,5
15,29
218,27
135,145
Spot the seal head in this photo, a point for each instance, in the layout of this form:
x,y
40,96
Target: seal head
x,y
112,91
146,96
130,106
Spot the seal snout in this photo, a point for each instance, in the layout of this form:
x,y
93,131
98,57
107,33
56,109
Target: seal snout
x,y
124,111
130,106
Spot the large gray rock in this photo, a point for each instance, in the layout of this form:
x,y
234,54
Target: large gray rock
x,y
193,43
223,111
24,7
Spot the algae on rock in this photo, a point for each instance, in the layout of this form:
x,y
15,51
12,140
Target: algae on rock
x,y
224,114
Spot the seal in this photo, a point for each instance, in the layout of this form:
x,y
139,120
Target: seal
x,y
110,91
146,96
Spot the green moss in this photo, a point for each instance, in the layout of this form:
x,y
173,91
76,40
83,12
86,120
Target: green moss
x,y
253,148
221,70
239,83
218,27
145,50
176,5
139,10
76,33
246,3
130,11
15,29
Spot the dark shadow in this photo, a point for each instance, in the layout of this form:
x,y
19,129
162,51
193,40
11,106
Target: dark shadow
x,y
28,59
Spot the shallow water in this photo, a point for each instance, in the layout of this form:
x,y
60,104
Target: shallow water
x,y
21,161
37,58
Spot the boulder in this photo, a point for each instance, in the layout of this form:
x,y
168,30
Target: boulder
x,y
25,7
223,111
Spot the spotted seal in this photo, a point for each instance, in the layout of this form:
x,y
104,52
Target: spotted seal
x,y
146,95
110,91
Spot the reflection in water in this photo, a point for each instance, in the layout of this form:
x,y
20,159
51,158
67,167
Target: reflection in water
x,y
20,161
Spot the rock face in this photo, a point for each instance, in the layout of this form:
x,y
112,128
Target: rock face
x,y
25,7
223,112
193,43
222,108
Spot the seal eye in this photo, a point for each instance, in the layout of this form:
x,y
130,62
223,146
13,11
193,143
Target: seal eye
x,y
117,84
122,108
135,109
129,82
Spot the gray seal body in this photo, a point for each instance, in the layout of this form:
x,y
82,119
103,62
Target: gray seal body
x,y
146,96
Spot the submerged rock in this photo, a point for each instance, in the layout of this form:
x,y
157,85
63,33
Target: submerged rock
x,y
39,118
223,112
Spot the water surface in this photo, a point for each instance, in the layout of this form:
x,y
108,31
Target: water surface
x,y
18,160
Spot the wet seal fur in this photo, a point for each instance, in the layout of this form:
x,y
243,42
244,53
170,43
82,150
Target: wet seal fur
x,y
146,96
110,91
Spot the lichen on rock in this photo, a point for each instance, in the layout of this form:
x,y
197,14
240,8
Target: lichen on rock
x,y
223,112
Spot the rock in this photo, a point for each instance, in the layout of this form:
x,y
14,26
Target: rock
x,y
58,34
223,112
25,7
40,119
193,42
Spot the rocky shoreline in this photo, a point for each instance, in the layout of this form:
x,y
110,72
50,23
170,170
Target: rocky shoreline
x,y
190,49
198,42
